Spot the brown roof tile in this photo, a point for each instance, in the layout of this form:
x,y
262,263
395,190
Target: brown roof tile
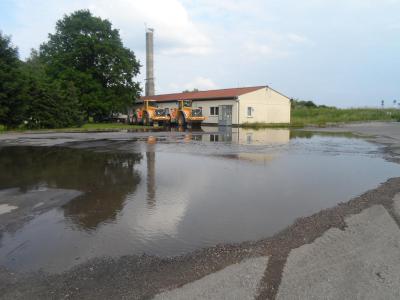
x,y
204,95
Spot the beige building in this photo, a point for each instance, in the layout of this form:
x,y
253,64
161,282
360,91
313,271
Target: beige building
x,y
233,106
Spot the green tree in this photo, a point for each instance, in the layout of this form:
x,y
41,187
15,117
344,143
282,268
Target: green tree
x,y
88,52
51,103
188,91
12,98
296,103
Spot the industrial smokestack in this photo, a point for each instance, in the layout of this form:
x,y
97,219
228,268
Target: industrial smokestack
x,y
149,63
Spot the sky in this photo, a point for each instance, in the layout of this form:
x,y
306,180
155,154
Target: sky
x,y
344,53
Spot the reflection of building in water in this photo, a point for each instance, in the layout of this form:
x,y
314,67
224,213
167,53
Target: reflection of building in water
x,y
244,136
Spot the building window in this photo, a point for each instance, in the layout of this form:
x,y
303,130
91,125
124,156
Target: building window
x,y
214,111
214,137
250,112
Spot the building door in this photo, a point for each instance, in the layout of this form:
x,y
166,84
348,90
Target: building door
x,y
225,115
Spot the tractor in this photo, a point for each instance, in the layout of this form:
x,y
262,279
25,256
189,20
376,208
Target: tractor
x,y
149,114
186,115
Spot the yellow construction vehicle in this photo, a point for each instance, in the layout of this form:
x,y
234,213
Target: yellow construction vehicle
x,y
186,115
149,114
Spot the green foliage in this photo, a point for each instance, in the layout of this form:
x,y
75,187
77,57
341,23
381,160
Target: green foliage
x,y
83,72
51,103
188,91
110,126
88,127
295,103
260,125
12,98
324,115
29,98
88,52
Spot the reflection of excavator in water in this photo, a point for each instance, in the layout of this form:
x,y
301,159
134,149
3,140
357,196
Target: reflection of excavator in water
x,y
185,115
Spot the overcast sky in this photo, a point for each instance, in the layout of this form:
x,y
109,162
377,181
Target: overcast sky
x,y
334,52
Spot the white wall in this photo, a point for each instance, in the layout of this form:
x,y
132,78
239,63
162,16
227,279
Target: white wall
x,y
205,105
268,106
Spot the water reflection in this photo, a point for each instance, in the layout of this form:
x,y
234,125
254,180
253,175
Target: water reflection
x,y
244,136
178,195
104,178
151,172
251,137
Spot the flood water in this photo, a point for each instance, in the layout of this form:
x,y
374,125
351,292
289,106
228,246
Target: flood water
x,y
168,195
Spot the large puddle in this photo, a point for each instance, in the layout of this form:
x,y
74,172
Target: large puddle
x,y
167,195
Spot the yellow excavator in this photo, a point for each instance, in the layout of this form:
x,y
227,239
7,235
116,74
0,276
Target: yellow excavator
x,y
186,115
149,114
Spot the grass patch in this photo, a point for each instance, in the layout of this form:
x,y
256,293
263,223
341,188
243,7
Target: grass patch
x,y
105,126
259,125
85,128
301,117
323,116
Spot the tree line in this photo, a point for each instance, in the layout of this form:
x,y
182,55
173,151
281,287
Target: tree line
x,y
296,103
82,72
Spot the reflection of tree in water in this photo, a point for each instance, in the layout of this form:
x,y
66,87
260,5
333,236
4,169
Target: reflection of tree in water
x,y
301,134
105,178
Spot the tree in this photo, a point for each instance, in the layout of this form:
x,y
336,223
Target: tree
x,y
295,103
88,52
51,103
12,98
188,91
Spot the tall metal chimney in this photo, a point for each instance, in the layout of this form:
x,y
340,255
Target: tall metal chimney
x,y
149,63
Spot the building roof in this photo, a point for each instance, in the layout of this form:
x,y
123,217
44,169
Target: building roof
x,y
204,95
